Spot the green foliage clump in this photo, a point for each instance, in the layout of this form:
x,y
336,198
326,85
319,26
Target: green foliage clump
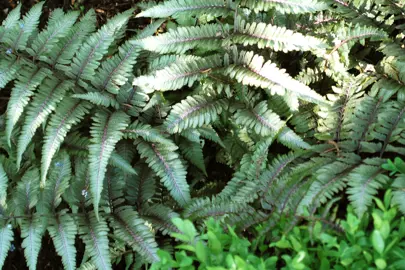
x,y
354,246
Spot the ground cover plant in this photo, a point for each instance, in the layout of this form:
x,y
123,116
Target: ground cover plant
x,y
356,246
247,111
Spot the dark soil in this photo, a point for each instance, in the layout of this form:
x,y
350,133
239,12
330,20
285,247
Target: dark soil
x,y
48,258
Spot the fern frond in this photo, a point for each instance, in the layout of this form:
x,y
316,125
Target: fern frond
x,y
346,36
132,99
32,231
271,36
250,69
206,37
260,119
391,122
119,162
113,189
29,78
329,180
364,182
292,140
214,208
286,6
91,52
193,152
59,25
150,29
114,72
68,114
58,181
148,133
65,49
17,37
141,187
62,229
10,21
8,69
93,231
99,98
176,8
276,169
209,133
49,94
160,216
130,227
6,236
105,133
165,162
194,111
26,193
3,187
180,73
398,194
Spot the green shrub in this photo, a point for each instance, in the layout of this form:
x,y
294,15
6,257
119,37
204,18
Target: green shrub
x,y
377,241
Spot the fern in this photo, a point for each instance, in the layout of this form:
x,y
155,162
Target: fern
x,y
194,112
42,105
93,232
63,231
207,37
28,80
168,167
130,227
59,25
178,7
180,73
87,59
368,179
250,69
59,125
290,6
106,132
17,37
6,236
271,36
32,231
